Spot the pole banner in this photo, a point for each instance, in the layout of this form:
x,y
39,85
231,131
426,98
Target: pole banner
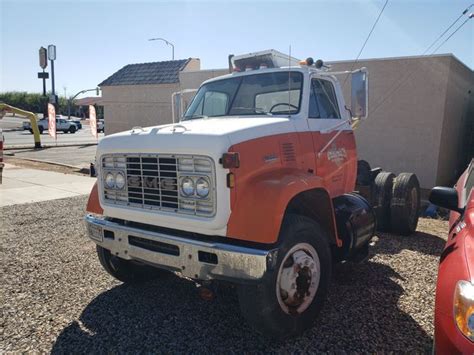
x,y
52,121
93,121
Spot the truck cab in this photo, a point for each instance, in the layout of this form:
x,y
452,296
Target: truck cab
x,y
254,185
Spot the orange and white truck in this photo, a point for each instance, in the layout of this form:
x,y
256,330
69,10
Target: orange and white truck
x,y
255,185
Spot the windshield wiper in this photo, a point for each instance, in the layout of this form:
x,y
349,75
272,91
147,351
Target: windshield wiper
x,y
254,109
195,117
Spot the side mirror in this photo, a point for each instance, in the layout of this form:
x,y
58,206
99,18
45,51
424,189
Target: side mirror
x,y
445,197
177,104
360,94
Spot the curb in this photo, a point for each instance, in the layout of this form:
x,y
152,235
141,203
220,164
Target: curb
x,y
79,169
12,129
51,162
49,146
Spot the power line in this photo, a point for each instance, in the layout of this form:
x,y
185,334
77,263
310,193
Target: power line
x,y
366,40
396,86
446,30
452,34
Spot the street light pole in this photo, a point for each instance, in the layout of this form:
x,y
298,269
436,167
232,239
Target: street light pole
x,y
52,58
71,99
167,42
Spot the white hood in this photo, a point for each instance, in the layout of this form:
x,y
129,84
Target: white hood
x,y
210,136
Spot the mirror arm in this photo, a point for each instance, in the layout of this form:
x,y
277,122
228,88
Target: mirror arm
x,y
348,109
459,210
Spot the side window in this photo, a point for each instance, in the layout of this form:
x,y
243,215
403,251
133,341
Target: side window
x,y
322,101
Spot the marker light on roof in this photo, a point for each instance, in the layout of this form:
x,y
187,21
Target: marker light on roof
x,y
308,61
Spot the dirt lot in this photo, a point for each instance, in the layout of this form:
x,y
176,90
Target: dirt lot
x,y
55,297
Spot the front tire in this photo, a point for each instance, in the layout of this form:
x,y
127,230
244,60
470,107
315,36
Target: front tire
x,y
72,129
125,270
290,297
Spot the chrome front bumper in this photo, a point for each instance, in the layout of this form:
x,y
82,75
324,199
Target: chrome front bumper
x,y
192,258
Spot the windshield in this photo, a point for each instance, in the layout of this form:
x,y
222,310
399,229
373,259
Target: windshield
x,y
276,93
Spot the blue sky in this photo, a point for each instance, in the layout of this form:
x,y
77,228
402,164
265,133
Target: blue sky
x,y
96,38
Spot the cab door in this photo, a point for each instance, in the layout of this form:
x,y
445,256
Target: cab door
x,y
332,135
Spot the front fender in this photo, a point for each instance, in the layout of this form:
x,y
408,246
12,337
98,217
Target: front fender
x,y
259,208
93,204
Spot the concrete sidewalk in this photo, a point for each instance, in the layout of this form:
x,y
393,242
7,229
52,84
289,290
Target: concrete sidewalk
x,y
22,185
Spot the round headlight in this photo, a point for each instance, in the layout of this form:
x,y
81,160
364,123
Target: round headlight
x,y
463,308
110,180
120,181
187,186
202,187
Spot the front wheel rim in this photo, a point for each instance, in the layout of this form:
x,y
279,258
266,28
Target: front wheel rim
x,y
298,278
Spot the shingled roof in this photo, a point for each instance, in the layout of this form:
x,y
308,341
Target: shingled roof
x,y
166,72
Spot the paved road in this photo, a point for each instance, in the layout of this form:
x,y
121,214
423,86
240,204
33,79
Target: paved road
x,y
25,138
10,122
80,156
15,137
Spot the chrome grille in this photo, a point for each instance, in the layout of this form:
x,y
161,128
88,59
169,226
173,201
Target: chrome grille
x,y
152,182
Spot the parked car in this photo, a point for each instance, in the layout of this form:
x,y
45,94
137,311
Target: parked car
x,y
62,125
100,126
454,305
77,123
41,125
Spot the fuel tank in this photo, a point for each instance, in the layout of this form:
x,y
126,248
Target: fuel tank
x,y
355,220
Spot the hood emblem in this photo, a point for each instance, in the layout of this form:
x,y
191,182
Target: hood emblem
x,y
270,158
337,155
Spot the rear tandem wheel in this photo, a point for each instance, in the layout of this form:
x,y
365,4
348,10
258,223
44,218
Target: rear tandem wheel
x,y
381,197
405,204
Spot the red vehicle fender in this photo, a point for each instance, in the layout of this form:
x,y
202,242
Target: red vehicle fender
x,y
456,263
93,204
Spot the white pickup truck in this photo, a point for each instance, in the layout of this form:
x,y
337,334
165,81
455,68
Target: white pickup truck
x,y
62,125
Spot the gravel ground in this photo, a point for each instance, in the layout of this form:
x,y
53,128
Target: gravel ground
x,y
56,297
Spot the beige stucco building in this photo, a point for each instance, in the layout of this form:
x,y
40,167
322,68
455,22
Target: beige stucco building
x,y
421,116
421,109
140,94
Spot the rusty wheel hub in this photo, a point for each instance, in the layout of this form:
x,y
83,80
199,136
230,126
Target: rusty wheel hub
x,y
298,279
